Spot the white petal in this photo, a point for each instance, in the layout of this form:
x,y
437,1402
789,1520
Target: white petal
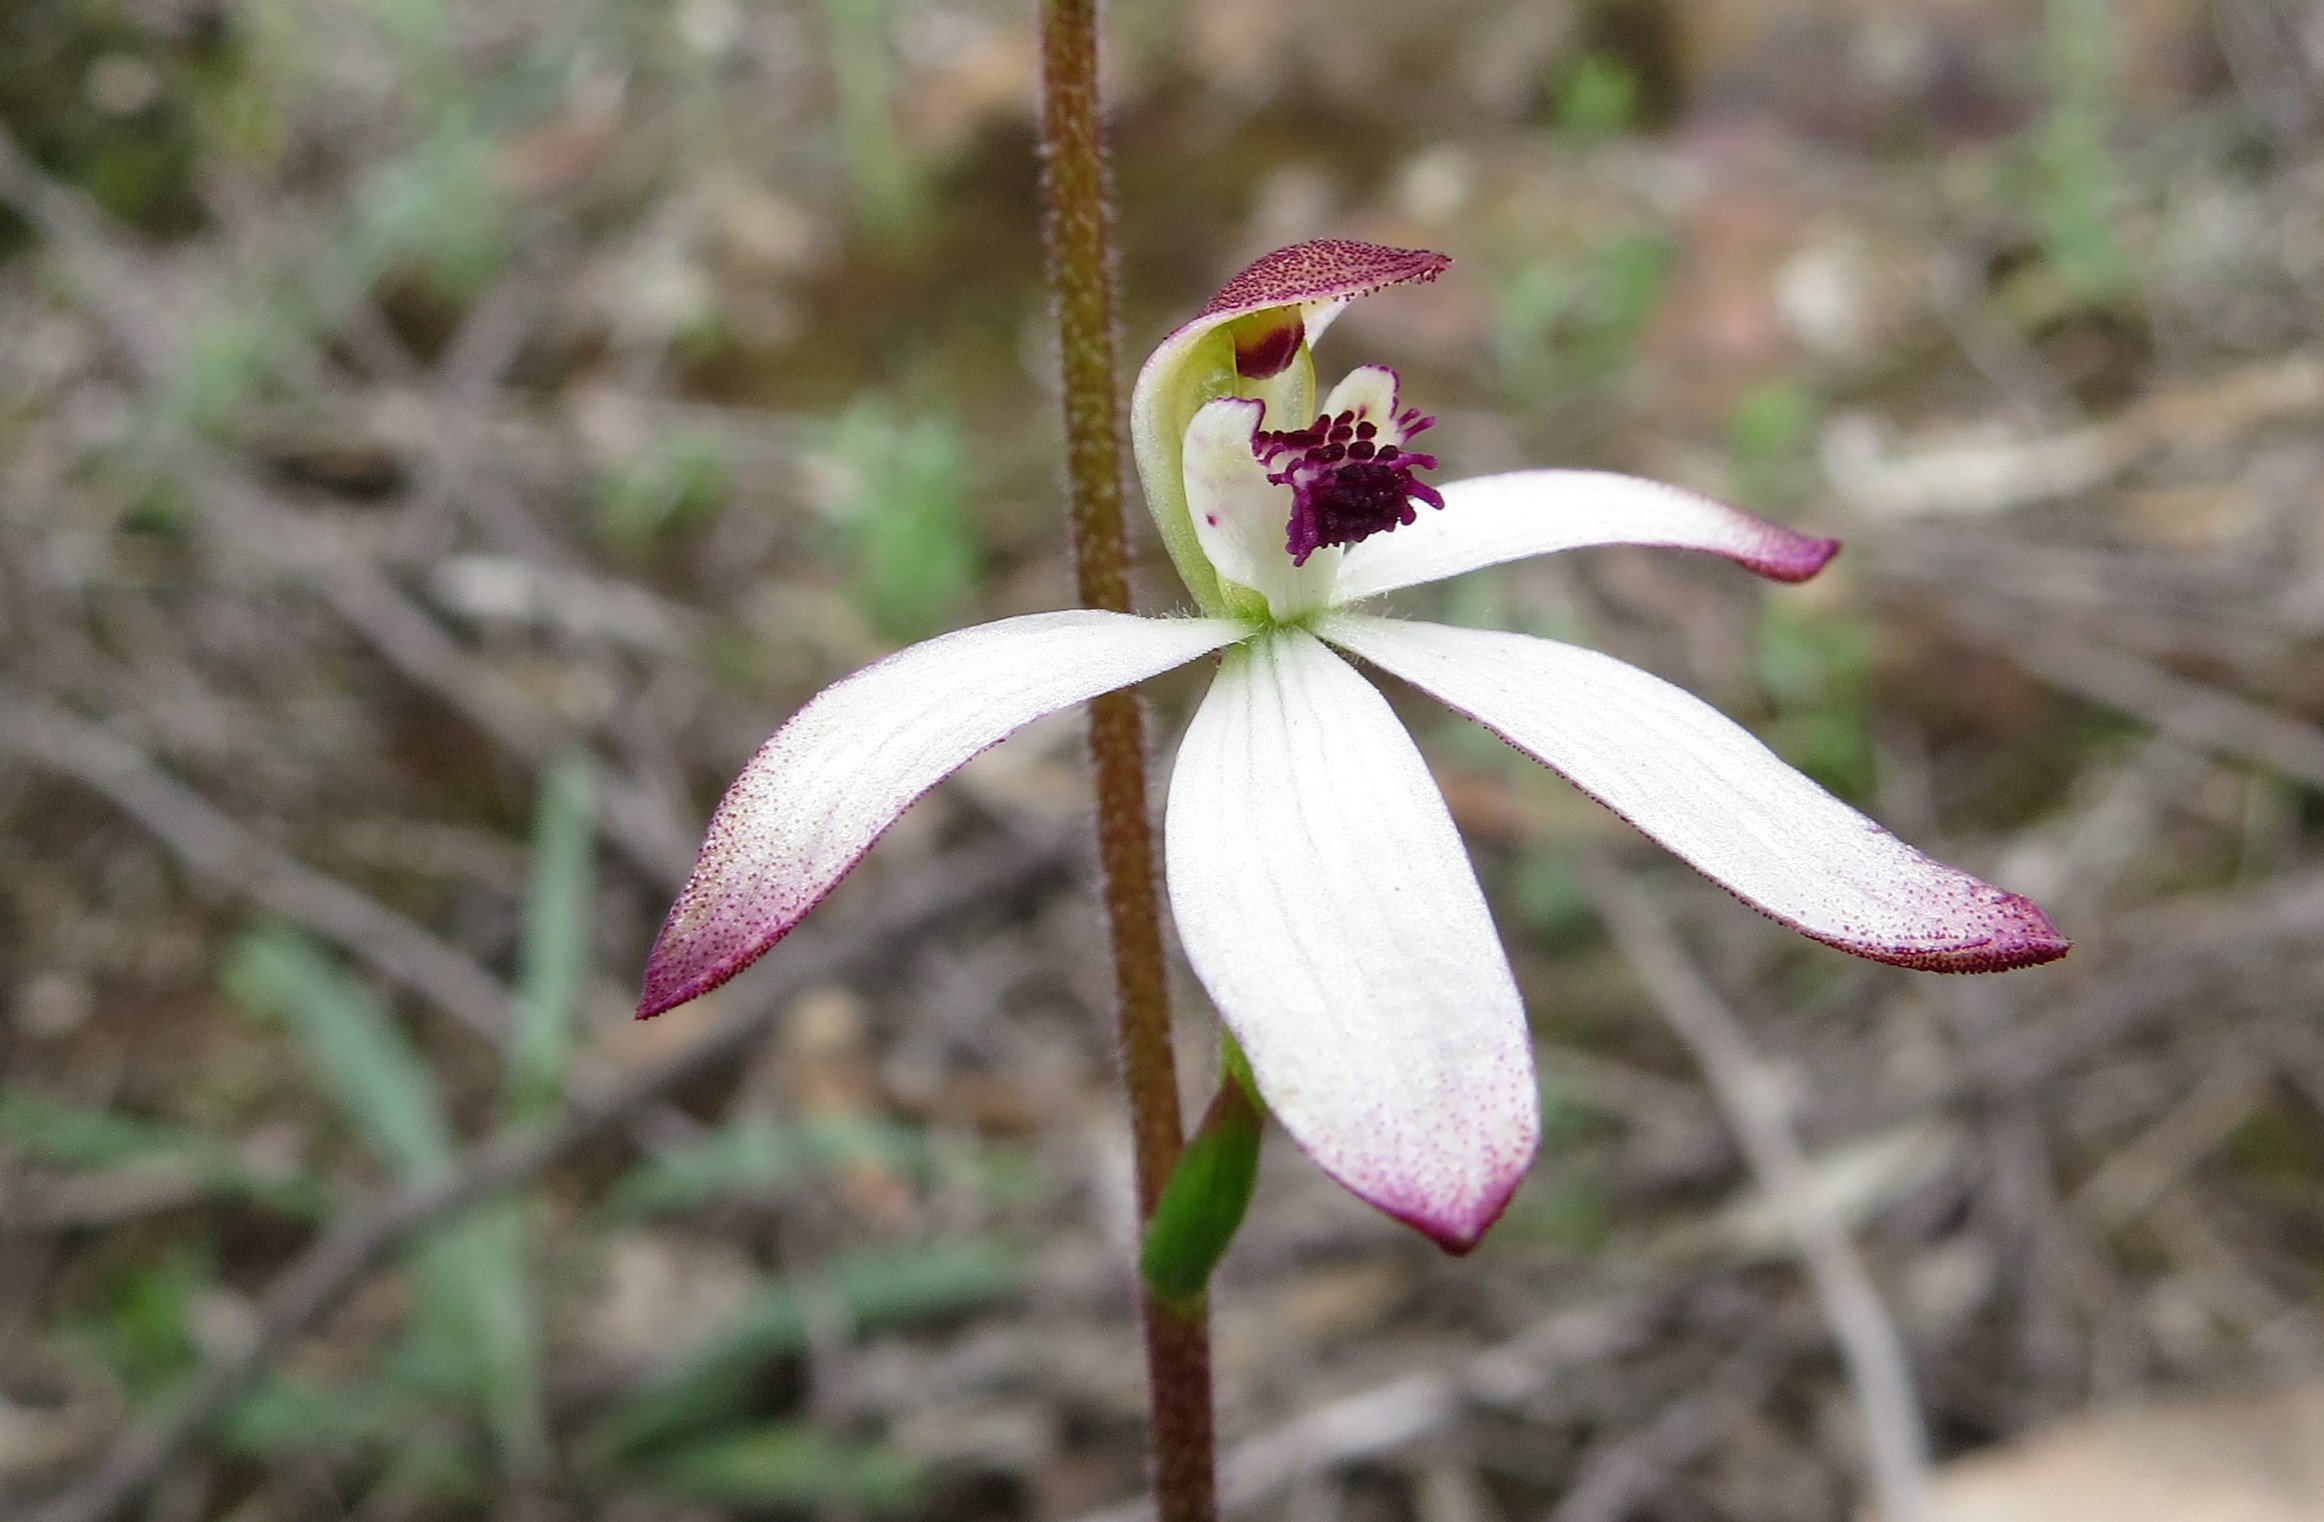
x,y
1326,904
818,794
1489,519
1699,783
1368,391
1242,518
1320,315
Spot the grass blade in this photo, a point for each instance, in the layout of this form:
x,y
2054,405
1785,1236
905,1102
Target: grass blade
x,y
872,1289
474,1322
788,1466
378,1081
554,962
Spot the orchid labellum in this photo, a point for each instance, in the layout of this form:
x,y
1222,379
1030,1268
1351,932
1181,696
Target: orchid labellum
x,y
1319,887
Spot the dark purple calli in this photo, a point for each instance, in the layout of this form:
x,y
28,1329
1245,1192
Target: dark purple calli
x,y
1350,477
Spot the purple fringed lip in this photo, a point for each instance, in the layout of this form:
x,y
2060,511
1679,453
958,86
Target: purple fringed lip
x,y
1275,308
1348,479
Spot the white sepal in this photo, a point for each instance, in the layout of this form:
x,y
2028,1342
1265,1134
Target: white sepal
x,y
1328,908
1703,786
817,795
1490,519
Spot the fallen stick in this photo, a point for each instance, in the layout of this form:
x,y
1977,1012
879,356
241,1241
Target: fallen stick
x,y
337,1262
1879,1371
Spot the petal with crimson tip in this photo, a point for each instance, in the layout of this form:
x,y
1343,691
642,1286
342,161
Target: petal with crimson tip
x,y
831,781
1488,520
1704,787
1328,908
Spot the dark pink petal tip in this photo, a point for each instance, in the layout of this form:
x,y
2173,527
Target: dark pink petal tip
x,y
1327,269
1999,932
2010,932
1454,1213
1457,1231
675,977
1795,557
683,967
718,928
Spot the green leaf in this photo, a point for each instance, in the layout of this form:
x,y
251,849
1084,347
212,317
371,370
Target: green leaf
x,y
904,513
554,961
439,210
1550,899
889,194
1576,325
670,487
1771,423
1817,666
749,1156
1596,97
147,1334
754,1156
287,1415
475,1335
869,1289
372,1073
1203,1204
2078,185
477,1324
418,1441
67,1135
221,365
788,1466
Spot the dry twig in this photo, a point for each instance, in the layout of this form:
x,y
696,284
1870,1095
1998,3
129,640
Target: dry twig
x,y
1405,1411
1629,1469
2196,712
340,1260
1878,1367
214,846
251,527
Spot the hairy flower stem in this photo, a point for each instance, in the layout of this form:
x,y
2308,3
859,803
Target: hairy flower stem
x,y
1081,275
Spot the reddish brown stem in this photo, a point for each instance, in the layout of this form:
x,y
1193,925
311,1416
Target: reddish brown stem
x,y
1081,275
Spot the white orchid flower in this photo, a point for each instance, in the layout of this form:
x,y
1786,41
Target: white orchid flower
x,y
1319,887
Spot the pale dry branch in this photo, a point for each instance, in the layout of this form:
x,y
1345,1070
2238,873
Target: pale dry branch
x,y
216,848
2142,1172
250,527
345,1255
1402,1412
1627,1470
2223,722
1879,1369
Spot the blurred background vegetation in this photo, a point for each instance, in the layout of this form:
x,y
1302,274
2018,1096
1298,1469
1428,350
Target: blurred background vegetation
x,y
439,439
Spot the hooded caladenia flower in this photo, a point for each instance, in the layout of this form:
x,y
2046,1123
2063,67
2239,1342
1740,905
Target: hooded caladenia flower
x,y
1319,887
